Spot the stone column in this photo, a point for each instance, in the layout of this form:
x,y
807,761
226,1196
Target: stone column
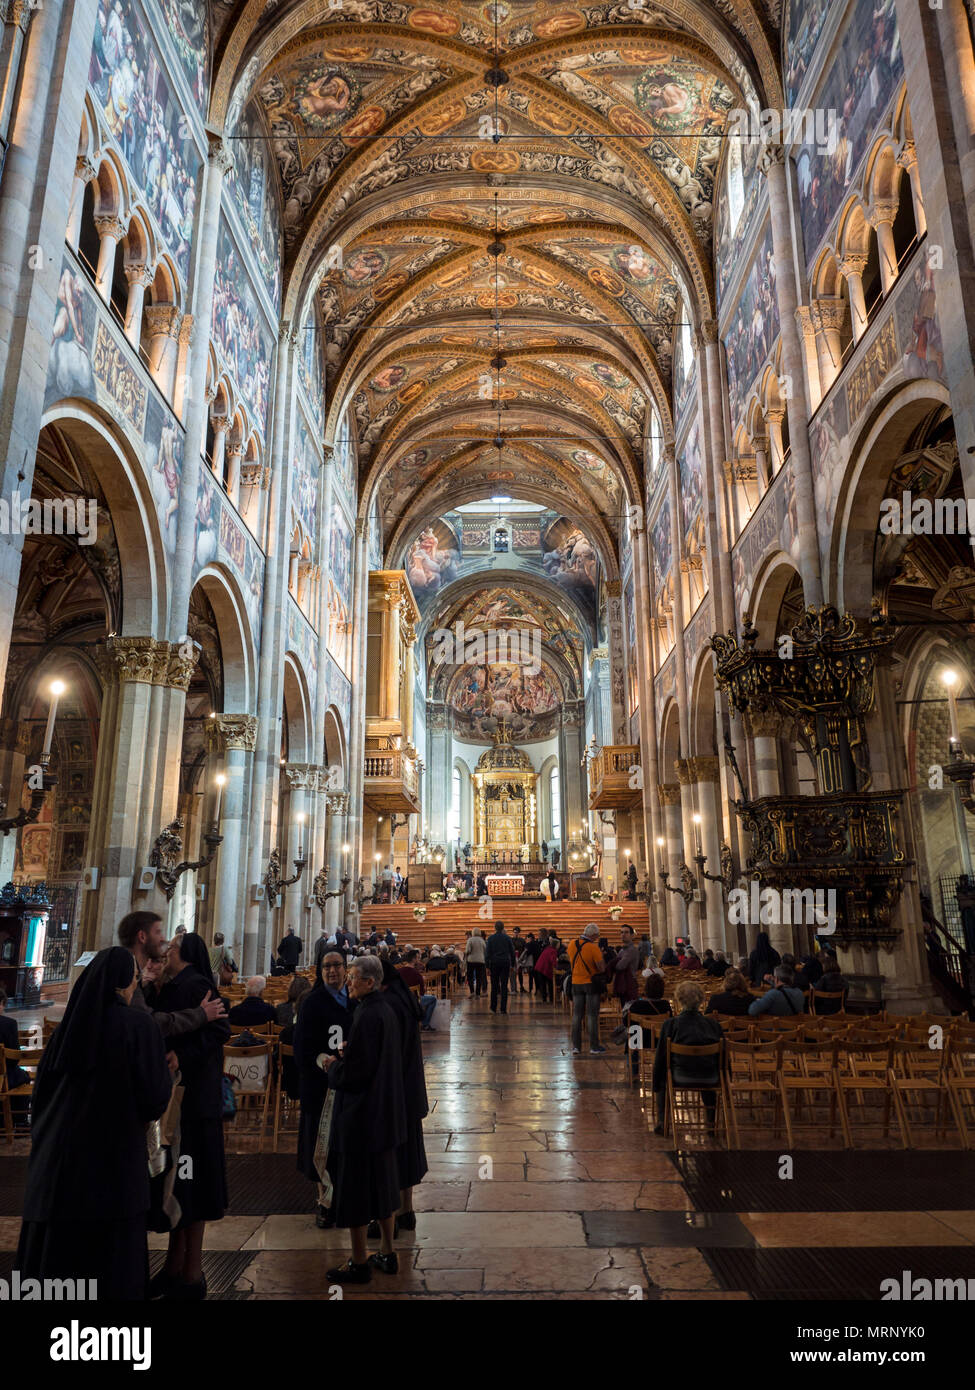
x,y
86,172
764,728
296,835
194,418
828,315
707,772
15,738
787,296
111,230
16,20
35,195
231,739
221,424
357,734
938,64
271,666
338,860
675,910
881,217
235,452
138,278
162,330
852,267
649,803
907,160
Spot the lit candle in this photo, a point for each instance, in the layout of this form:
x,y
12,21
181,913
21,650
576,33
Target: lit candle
x,y
57,689
949,680
221,782
697,831
301,820
660,846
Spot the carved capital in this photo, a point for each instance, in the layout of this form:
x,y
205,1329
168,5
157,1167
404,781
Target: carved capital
x,y
163,320
219,154
854,263
110,226
136,274
338,803
138,659
669,793
685,777
85,168
298,774
186,330
180,666
764,723
772,157
705,769
828,312
613,588
328,452
907,158
882,210
226,732
255,475
708,332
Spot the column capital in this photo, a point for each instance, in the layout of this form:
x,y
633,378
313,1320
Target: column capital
x,y
669,793
682,766
20,13
907,157
85,168
163,319
829,311
705,769
328,453
137,660
225,733
255,475
219,154
613,588
186,330
854,263
110,226
772,157
337,803
764,723
708,331
138,274
882,210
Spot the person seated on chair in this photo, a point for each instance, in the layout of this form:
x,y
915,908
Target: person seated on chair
x,y
287,1013
252,1008
669,957
651,1002
782,999
690,960
689,1029
830,982
735,999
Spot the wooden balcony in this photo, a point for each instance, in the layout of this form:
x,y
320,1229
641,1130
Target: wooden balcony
x,y
392,784
614,780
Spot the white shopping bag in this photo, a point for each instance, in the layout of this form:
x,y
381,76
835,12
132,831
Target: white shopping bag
x,y
440,1019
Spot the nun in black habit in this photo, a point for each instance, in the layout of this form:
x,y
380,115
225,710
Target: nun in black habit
x,y
323,1025
368,1124
202,1192
103,1077
411,1156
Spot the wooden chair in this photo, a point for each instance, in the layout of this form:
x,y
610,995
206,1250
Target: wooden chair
x,y
863,1066
260,1030
252,1103
638,1060
283,1102
808,1073
752,1072
696,1118
960,1080
28,1059
47,1029
818,997
919,1088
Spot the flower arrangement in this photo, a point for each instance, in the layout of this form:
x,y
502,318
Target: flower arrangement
x,y
419,912
451,895
615,912
436,897
597,895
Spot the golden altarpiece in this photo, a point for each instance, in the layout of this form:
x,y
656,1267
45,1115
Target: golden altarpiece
x,y
505,805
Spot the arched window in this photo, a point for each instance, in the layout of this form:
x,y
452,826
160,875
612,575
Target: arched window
x,y
555,794
455,796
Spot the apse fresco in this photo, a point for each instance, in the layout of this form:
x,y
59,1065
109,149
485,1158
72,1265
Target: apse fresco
x,y
802,28
141,111
754,326
481,698
189,29
255,197
432,561
243,337
860,80
569,559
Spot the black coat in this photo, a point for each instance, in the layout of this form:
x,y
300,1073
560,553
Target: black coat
x,y
200,1053
690,1029
736,1005
252,1010
370,1107
320,1013
289,950
403,1004
499,950
88,1133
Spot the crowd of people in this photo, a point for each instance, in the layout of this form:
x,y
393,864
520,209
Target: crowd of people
x,y
128,1103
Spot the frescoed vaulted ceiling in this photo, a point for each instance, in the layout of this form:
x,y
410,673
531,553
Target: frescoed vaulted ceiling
x,y
502,213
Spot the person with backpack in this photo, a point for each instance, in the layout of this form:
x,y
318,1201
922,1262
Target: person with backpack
x,y
782,999
588,983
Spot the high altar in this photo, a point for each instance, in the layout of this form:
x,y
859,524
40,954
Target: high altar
x,y
505,803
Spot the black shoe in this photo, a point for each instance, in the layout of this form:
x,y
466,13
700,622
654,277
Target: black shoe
x,y
161,1284
325,1218
350,1273
387,1264
406,1221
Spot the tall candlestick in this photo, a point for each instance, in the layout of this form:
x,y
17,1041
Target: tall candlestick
x,y
697,831
221,782
57,689
949,679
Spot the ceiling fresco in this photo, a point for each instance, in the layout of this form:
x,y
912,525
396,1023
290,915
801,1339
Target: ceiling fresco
x,y
497,211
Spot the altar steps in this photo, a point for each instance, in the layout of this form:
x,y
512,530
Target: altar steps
x,y
447,923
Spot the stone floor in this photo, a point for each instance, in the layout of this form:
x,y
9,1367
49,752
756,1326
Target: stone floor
x,y
546,1182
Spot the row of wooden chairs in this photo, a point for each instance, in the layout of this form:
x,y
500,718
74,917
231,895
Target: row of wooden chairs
x,y
267,1108
786,1082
